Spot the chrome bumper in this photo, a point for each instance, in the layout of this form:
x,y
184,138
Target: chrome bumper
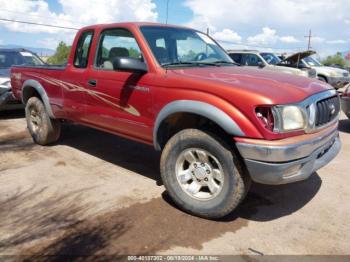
x,y
281,164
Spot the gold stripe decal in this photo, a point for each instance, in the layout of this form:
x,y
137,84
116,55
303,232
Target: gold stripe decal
x,y
97,95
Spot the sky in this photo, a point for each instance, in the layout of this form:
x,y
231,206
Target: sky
x,y
279,26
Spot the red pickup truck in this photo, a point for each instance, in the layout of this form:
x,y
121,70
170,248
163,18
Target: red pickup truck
x,y
219,125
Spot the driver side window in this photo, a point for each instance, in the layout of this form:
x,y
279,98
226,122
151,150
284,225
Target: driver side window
x,y
116,43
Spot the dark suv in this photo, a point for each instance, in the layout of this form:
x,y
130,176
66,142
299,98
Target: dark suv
x,y
8,58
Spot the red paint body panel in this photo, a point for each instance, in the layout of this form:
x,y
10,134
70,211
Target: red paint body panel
x,y
116,106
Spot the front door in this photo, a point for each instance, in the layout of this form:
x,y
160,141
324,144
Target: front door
x,y
119,101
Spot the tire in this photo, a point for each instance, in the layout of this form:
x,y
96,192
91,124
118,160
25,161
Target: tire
x,y
211,201
322,78
42,128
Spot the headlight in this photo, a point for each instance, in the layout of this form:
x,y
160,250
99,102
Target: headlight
x,y
292,118
336,74
289,118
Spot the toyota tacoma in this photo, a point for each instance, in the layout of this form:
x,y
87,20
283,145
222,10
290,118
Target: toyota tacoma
x,y
219,126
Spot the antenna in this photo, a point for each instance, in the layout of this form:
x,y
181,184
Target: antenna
x,y
309,42
167,11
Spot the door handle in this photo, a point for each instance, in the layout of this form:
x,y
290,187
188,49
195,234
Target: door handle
x,y
92,82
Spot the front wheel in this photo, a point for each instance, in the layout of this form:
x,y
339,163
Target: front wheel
x,y
202,174
322,78
42,128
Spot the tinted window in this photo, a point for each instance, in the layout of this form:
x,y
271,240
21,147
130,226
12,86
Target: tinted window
x,y
8,59
83,48
236,57
251,60
116,43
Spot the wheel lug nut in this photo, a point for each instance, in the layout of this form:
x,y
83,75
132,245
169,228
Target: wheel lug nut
x,y
202,164
198,180
195,165
208,171
206,179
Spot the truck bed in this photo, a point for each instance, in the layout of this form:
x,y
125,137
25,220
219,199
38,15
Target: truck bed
x,y
42,74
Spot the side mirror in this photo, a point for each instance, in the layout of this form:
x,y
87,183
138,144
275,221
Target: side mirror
x,y
261,64
129,64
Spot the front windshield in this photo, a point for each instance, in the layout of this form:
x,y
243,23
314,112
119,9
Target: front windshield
x,y
310,61
8,59
174,46
271,58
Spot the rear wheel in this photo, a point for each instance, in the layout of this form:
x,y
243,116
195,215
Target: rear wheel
x,y
202,174
42,128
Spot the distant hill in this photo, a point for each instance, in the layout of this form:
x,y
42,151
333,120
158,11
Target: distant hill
x,y
39,51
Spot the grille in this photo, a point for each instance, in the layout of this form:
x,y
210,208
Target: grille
x,y
345,74
327,110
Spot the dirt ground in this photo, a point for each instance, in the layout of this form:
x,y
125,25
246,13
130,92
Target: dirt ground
x,y
95,193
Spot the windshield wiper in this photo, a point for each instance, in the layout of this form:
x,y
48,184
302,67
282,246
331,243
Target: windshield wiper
x,y
177,63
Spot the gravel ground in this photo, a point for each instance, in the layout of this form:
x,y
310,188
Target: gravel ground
x,y
95,193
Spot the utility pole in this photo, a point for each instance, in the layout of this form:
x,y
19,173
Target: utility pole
x,y
167,12
309,42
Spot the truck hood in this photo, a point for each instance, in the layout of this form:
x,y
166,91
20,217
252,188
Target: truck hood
x,y
285,69
294,58
268,87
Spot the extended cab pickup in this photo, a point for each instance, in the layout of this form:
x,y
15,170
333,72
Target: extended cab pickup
x,y
219,125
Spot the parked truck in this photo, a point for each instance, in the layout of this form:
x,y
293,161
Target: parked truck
x,y
219,126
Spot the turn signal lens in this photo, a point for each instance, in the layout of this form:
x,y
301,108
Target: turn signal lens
x,y
264,114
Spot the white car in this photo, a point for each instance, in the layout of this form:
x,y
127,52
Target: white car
x,y
267,61
336,77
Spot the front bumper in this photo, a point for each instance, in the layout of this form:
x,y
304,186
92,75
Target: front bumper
x,y
7,100
345,105
289,160
338,82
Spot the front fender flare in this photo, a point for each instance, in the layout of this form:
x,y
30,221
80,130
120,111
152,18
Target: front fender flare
x,y
41,91
200,108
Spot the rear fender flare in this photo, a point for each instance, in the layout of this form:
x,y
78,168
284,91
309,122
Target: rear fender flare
x,y
27,85
200,108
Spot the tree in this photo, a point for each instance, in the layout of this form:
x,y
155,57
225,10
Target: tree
x,y
61,54
337,59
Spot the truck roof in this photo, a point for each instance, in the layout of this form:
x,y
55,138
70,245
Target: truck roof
x,y
135,24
